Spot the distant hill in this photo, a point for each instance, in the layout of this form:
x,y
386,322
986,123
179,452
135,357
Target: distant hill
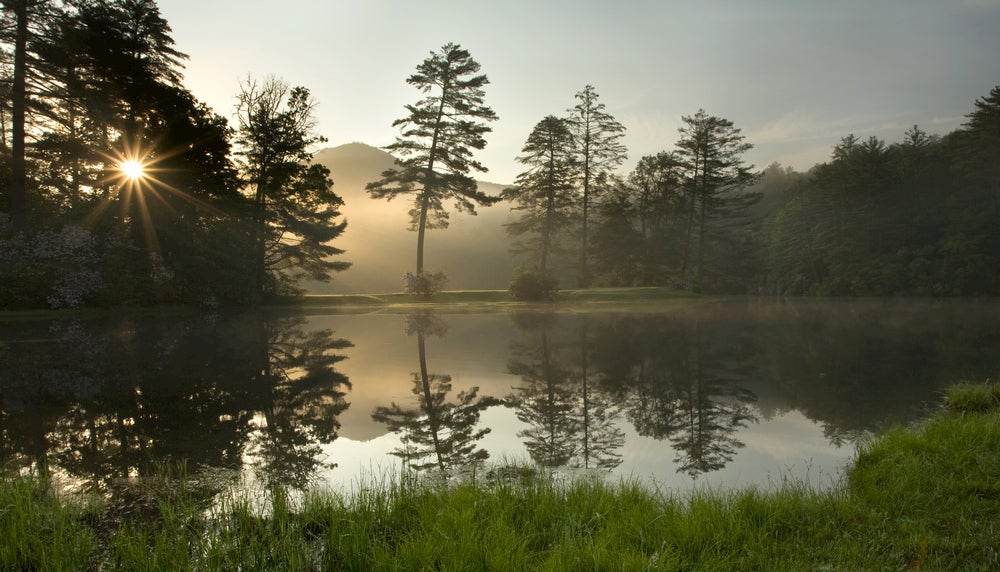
x,y
472,251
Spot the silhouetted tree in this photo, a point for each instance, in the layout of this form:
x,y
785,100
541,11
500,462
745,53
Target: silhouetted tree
x,y
25,14
714,178
438,137
982,141
642,222
544,193
598,151
294,205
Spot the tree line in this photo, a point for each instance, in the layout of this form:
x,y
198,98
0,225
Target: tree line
x,y
238,214
125,189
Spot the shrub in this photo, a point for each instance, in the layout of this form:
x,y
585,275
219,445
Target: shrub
x,y
424,284
53,267
533,286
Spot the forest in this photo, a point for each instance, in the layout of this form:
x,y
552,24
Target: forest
x,y
119,188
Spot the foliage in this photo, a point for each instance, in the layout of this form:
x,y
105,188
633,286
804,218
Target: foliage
x,y
294,207
544,194
105,84
424,284
680,218
911,218
598,149
533,286
438,137
57,269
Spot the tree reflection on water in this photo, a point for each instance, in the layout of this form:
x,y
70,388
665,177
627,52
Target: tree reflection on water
x,y
105,402
435,432
571,421
261,396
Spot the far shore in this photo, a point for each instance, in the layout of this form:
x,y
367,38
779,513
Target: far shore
x,y
450,300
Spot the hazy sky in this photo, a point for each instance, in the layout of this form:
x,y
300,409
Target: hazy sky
x,y
795,76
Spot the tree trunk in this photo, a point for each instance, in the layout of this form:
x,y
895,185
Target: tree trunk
x,y
18,191
584,268
421,229
432,416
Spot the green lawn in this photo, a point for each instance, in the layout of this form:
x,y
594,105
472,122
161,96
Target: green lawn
x,y
489,298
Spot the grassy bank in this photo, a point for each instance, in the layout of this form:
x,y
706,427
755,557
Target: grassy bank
x,y
925,497
486,297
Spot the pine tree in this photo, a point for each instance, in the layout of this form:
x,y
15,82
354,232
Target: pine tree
x,y
438,137
544,193
715,174
598,150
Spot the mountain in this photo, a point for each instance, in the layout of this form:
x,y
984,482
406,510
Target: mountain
x,y
472,251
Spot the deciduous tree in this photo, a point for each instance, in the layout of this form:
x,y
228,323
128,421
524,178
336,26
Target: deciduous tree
x,y
295,208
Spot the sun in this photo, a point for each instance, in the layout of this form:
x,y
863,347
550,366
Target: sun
x,y
132,169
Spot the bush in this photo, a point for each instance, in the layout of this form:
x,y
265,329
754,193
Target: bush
x,y
533,286
424,284
54,268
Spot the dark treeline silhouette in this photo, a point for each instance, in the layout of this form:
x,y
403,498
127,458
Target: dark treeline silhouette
x,y
235,215
218,216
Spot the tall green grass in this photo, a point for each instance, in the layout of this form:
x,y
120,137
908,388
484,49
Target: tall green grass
x,y
925,497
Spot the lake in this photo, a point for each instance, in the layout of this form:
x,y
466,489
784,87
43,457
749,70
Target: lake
x,y
687,393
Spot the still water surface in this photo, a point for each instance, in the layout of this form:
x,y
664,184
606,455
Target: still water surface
x,y
716,393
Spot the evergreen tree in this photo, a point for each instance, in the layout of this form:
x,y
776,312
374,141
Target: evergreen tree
x,y
438,137
544,193
715,177
105,90
983,141
294,206
598,151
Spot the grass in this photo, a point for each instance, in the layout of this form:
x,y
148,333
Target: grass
x,y
924,497
486,298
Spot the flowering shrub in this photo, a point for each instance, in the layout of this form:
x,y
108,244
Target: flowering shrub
x,y
54,267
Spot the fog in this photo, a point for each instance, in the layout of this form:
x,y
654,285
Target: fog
x,y
472,251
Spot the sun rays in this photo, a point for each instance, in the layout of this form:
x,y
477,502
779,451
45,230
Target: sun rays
x,y
141,180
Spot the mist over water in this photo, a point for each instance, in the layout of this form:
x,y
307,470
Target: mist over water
x,y
472,251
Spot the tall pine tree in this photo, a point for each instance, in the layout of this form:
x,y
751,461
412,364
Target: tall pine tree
x,y
598,151
438,137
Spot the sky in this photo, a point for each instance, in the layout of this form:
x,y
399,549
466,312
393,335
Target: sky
x,y
795,76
